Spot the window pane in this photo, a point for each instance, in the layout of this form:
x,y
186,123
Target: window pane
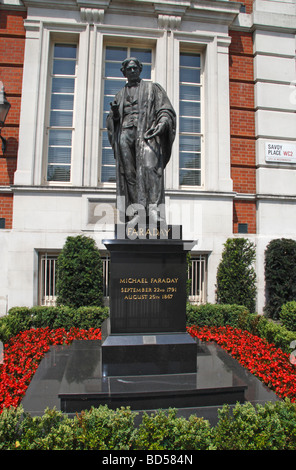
x,y
108,156
63,85
191,125
116,53
146,72
189,92
189,75
65,51
190,177
61,118
60,137
58,173
113,86
189,60
112,69
190,160
108,174
59,155
190,143
64,67
62,102
105,140
143,55
188,108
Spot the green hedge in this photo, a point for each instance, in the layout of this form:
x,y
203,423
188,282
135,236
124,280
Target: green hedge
x,y
288,315
218,315
262,427
24,318
238,316
280,275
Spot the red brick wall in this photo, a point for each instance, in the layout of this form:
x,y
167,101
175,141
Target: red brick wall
x,y
242,126
6,202
12,44
248,5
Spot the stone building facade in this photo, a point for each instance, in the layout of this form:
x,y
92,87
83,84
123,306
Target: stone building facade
x,y
228,68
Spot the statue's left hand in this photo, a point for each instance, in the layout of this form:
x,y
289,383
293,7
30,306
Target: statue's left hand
x,y
154,131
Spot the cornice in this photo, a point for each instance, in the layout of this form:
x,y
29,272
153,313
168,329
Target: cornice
x,y
170,12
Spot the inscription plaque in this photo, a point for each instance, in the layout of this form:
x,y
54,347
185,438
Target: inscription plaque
x,y
147,286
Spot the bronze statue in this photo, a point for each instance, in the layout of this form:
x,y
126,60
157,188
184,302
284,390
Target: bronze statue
x,y
141,129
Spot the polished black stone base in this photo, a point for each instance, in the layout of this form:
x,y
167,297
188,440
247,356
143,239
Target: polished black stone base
x,y
70,379
148,354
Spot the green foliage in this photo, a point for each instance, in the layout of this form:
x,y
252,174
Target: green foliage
x,y
253,428
165,431
275,334
10,427
52,431
80,273
24,318
271,426
288,315
236,277
218,315
105,429
280,275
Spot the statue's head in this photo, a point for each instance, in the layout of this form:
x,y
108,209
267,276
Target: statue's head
x,y
129,64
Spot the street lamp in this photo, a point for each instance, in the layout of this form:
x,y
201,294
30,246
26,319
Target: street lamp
x,y
4,108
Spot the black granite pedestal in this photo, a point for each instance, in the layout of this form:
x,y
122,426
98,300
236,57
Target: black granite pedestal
x,y
146,332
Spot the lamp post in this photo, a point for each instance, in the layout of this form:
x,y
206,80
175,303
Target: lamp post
x,y
4,108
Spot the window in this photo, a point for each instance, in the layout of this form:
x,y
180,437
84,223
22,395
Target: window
x,y
197,276
60,129
190,119
113,82
47,277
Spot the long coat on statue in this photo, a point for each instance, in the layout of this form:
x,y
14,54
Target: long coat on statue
x,y
151,155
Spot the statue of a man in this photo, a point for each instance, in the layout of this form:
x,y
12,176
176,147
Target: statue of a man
x,y
141,129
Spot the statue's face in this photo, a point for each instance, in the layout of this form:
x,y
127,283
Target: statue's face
x,y
132,71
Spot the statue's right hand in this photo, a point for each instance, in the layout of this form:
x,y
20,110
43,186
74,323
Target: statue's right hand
x,y
114,105
115,110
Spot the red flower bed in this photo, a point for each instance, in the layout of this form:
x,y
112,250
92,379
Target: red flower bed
x,y
23,354
270,364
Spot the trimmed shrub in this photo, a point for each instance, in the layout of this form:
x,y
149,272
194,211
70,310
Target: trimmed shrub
x,y
280,275
236,277
105,429
52,431
275,334
288,315
79,273
10,427
163,430
218,315
271,426
24,318
259,427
